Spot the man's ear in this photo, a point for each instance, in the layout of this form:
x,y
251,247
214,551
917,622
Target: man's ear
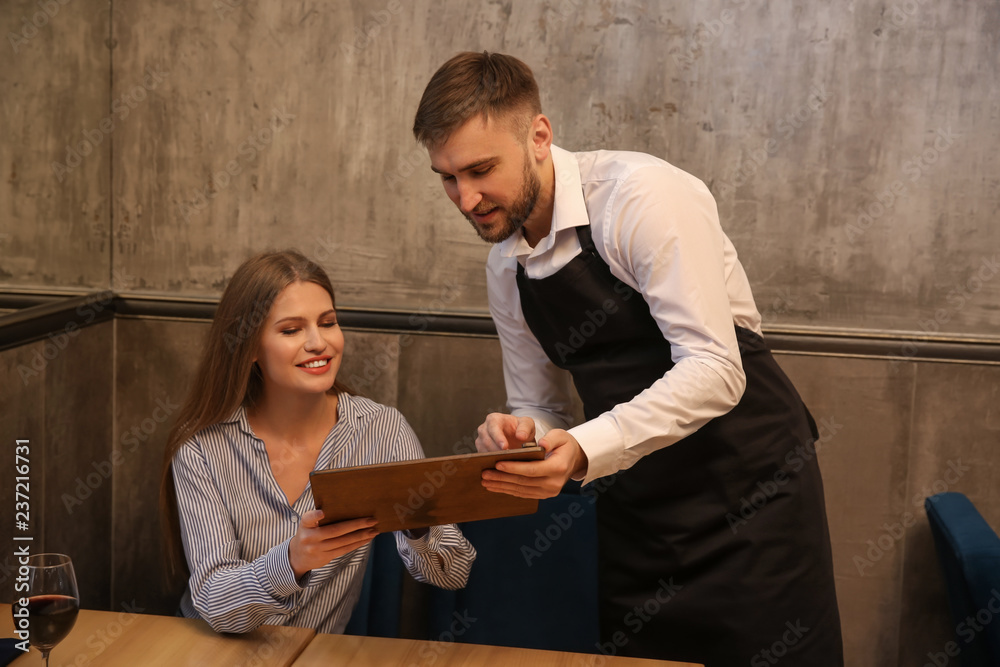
x,y
540,137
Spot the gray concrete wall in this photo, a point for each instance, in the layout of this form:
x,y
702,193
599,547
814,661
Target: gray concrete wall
x,y
892,433
851,147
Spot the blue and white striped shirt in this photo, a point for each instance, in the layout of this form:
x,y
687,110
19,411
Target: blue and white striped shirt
x,y
236,525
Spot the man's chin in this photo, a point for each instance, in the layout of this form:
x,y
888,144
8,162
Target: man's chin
x,y
495,233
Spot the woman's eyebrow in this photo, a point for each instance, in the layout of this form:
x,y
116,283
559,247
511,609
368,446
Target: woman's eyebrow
x,y
297,318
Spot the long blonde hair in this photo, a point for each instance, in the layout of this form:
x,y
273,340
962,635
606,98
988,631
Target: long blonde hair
x,y
227,376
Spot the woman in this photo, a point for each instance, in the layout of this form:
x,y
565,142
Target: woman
x,y
266,409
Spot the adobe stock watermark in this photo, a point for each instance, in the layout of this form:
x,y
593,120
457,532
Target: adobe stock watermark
x,y
430,652
637,619
423,492
223,8
92,480
246,152
120,110
913,169
373,24
893,533
778,305
376,365
99,640
264,655
779,649
957,298
898,16
60,340
786,127
967,631
795,460
708,32
562,522
565,9
47,10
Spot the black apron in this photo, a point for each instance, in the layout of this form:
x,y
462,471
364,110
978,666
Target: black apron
x,y
715,549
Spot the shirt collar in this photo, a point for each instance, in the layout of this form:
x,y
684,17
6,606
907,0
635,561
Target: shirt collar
x,y
568,210
347,412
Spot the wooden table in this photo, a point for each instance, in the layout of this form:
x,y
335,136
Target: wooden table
x,y
123,639
338,650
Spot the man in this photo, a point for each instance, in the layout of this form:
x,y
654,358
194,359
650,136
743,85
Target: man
x,y
613,266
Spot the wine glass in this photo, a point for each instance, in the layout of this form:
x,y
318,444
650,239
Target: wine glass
x,y
53,600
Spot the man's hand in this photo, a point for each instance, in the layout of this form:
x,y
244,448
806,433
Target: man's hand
x,y
540,479
501,431
314,546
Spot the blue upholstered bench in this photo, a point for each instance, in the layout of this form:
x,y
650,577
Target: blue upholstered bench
x,y
969,553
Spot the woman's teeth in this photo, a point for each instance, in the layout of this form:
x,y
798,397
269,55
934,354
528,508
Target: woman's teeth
x,y
316,364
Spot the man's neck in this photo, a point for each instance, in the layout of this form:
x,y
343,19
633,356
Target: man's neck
x,y
539,224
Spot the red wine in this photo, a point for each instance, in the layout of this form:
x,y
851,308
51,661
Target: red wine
x,y
51,618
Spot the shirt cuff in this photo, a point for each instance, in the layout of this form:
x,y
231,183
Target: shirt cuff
x,y
544,421
604,446
420,545
275,572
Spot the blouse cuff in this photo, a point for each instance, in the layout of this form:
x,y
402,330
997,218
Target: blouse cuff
x,y
422,544
275,572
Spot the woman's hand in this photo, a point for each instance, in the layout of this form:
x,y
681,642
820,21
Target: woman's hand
x,y
314,546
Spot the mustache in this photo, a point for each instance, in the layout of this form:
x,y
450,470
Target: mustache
x,y
484,207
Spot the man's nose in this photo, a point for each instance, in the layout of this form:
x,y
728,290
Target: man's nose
x,y
468,197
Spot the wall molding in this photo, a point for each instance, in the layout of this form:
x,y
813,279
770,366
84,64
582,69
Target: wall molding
x,y
36,315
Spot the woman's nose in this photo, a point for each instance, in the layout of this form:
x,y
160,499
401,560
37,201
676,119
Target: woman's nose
x,y
314,340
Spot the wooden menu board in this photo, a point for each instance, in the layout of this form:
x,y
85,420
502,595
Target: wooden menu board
x,y
404,495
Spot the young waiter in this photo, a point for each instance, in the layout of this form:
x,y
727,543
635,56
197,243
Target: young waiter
x,y
613,266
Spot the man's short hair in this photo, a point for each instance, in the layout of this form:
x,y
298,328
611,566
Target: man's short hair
x,y
492,84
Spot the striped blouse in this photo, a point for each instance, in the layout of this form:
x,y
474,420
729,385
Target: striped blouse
x,y
236,525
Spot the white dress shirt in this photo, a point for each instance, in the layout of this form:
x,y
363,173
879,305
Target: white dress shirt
x,y
236,525
658,230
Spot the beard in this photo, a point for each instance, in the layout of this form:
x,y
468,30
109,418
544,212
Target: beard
x,y
510,220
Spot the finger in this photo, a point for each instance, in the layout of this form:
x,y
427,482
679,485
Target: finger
x,y
526,468
346,527
343,547
517,480
495,430
311,519
484,443
525,429
518,491
341,541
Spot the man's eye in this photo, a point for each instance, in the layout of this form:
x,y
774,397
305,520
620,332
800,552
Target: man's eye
x,y
446,178
483,172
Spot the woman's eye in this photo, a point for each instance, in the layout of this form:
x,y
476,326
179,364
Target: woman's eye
x,y
288,332
329,325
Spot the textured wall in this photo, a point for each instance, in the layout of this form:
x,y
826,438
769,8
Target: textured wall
x,y
55,196
851,147
892,433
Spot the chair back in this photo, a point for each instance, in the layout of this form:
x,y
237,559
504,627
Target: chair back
x,y
534,582
378,610
969,554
